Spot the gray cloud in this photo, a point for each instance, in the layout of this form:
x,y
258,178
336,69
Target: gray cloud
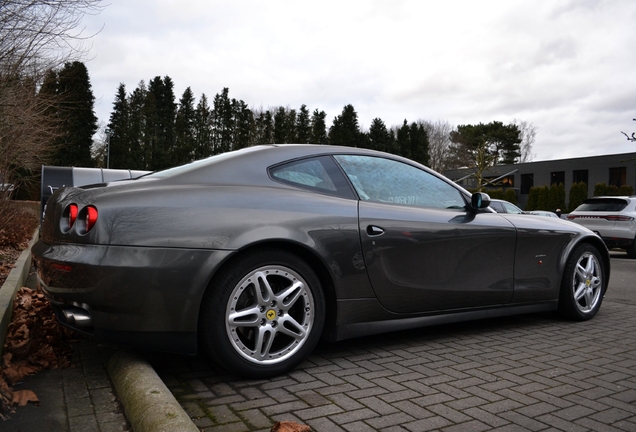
x,y
564,66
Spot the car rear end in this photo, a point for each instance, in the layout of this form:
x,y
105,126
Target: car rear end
x,y
612,218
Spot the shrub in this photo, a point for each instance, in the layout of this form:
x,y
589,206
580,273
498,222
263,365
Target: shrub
x,y
18,224
578,194
600,189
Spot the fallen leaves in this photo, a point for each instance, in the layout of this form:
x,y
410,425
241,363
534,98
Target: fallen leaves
x,y
288,426
35,341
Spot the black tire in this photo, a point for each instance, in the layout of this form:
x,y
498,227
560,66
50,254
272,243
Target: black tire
x,y
234,313
631,249
584,283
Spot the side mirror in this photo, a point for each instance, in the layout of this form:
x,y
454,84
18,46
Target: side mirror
x,y
479,200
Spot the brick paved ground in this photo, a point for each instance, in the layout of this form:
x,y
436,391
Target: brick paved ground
x,y
534,373
77,399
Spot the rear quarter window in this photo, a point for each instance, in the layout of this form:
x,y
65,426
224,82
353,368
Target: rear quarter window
x,y
318,174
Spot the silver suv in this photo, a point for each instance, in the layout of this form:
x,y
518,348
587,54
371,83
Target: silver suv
x,y
611,217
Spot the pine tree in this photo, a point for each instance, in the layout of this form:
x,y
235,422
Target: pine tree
x,y
160,122
303,126
119,130
202,129
243,124
318,128
222,123
379,137
137,157
404,140
345,130
183,151
78,123
280,126
419,143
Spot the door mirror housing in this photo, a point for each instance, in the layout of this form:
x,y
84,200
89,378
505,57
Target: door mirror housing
x,y
479,200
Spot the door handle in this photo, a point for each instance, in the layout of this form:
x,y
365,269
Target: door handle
x,y
374,231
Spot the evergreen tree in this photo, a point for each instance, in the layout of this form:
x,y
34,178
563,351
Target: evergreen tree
x,y
119,130
74,106
243,124
318,128
222,123
280,126
183,151
264,126
345,130
290,127
404,140
419,143
484,145
160,122
379,137
202,129
303,126
137,148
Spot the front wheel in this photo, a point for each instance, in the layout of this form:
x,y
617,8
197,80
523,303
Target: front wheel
x,y
584,283
263,315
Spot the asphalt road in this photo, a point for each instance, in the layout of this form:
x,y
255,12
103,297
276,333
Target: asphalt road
x,y
622,286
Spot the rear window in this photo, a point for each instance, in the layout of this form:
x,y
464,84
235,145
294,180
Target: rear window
x,y
603,205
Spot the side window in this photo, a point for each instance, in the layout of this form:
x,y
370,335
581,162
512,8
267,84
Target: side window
x,y
388,181
496,206
511,208
319,174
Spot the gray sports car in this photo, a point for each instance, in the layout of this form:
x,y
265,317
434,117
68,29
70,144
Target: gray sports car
x,y
255,254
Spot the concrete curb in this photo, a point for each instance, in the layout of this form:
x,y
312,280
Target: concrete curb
x,y
16,279
147,402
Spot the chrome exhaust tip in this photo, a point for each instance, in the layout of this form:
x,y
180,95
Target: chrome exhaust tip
x,y
77,317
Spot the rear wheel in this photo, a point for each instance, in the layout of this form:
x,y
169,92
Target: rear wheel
x,y
583,284
631,249
262,316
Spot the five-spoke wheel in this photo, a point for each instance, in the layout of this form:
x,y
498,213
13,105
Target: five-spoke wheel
x,y
584,283
263,315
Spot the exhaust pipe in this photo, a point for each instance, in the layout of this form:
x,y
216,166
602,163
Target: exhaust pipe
x,y
77,317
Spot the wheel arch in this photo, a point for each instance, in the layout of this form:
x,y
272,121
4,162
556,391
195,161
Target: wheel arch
x,y
308,256
599,245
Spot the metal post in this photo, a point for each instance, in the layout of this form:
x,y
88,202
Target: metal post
x,y
108,135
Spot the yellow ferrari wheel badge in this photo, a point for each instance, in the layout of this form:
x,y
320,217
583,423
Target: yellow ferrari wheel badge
x,y
271,314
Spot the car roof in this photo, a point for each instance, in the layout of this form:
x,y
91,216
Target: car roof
x,y
248,166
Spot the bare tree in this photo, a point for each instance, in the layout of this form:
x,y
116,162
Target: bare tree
x,y
35,37
439,144
38,35
631,138
528,134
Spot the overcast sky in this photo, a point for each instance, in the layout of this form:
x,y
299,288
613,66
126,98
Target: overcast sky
x,y
566,66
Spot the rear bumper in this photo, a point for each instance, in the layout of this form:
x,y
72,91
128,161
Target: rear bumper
x,y
145,297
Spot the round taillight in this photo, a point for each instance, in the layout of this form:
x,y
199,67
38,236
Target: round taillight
x,y
69,216
86,219
91,217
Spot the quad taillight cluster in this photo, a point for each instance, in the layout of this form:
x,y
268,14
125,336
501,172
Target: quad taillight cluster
x,y
83,219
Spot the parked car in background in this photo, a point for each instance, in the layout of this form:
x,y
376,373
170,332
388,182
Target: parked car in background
x,y
613,218
252,256
542,213
501,206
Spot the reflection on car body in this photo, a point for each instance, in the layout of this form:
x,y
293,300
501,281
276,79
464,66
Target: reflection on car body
x,y
253,255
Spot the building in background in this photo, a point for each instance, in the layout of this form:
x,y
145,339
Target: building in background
x,y
617,169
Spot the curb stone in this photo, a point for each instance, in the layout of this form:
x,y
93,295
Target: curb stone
x,y
148,403
16,280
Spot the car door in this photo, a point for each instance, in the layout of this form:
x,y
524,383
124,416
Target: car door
x,y
423,249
